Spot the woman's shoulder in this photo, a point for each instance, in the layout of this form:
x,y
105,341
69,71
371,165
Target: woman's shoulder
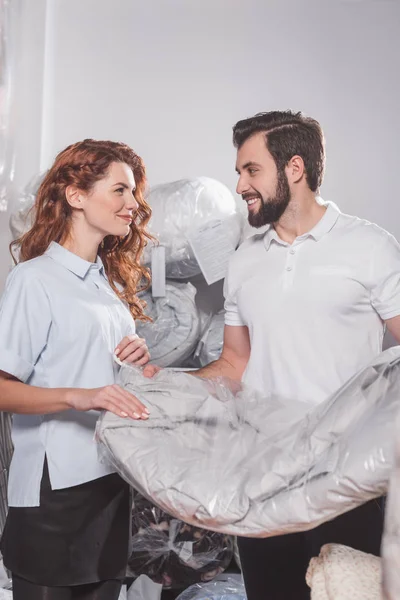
x,y
33,270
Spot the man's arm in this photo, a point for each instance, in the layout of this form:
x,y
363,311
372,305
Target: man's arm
x,y
393,326
234,358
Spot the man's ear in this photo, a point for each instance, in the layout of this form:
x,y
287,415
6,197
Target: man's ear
x,y
295,169
74,196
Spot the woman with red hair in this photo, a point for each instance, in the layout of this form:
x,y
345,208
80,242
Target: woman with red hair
x,y
68,308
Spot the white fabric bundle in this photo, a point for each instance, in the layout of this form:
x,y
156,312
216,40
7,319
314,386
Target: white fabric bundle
x,y
181,207
228,460
342,573
174,331
211,342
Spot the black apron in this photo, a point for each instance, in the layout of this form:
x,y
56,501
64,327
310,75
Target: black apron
x,y
77,535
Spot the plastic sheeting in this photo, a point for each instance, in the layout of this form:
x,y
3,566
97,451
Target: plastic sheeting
x,y
171,552
6,450
228,460
211,342
224,589
173,334
391,537
182,207
21,218
7,149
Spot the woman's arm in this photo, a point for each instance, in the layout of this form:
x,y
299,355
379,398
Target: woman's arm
x,y
18,397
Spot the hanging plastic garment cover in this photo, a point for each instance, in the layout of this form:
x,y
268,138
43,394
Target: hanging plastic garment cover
x,y
216,455
391,537
6,450
174,553
211,342
21,218
181,207
174,331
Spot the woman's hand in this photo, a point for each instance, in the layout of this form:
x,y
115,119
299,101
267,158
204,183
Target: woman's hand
x,y
132,349
111,397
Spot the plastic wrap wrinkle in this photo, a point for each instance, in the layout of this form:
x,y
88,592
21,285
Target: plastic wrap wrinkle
x,y
180,207
228,460
391,536
228,588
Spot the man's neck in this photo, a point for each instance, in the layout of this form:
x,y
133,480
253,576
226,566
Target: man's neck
x,y
300,217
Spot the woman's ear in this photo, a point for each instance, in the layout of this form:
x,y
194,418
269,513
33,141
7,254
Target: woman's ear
x,y
74,196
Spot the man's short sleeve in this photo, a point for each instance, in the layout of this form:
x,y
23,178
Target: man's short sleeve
x,y
385,282
232,314
25,321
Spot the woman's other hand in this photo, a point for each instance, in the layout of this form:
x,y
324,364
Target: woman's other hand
x,y
132,349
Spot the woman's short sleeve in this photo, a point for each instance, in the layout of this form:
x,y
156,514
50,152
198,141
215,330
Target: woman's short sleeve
x,y
25,321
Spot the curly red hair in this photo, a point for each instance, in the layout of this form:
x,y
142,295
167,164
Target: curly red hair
x,y
83,164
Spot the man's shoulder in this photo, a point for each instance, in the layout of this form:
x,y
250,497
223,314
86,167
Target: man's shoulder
x,y
249,247
362,230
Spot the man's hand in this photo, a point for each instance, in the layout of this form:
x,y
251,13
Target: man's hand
x,y
151,370
132,349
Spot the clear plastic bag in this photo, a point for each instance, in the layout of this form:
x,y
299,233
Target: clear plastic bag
x,y
181,207
6,450
21,218
174,331
391,536
228,588
171,552
217,455
211,342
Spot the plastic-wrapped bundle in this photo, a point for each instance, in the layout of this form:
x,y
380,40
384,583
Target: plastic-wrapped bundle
x,y
391,537
6,450
211,342
174,331
182,206
221,589
171,552
229,460
22,218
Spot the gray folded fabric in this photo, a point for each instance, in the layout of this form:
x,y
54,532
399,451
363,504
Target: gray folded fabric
x,y
226,459
174,331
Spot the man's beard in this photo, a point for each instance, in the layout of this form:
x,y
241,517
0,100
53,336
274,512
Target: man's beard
x,y
273,208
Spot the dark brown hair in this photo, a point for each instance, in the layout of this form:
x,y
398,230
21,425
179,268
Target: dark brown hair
x,y
83,164
288,134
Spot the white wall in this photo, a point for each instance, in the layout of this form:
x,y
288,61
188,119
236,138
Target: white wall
x,y
172,77
27,37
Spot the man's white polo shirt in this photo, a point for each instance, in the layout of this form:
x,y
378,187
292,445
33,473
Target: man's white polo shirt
x,y
315,308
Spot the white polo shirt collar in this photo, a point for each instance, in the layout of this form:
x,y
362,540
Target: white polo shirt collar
x,y
323,226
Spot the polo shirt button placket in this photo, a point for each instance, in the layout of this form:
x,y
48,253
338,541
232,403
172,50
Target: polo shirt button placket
x,y
289,268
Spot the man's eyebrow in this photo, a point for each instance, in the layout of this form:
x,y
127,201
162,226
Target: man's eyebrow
x,y
250,163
